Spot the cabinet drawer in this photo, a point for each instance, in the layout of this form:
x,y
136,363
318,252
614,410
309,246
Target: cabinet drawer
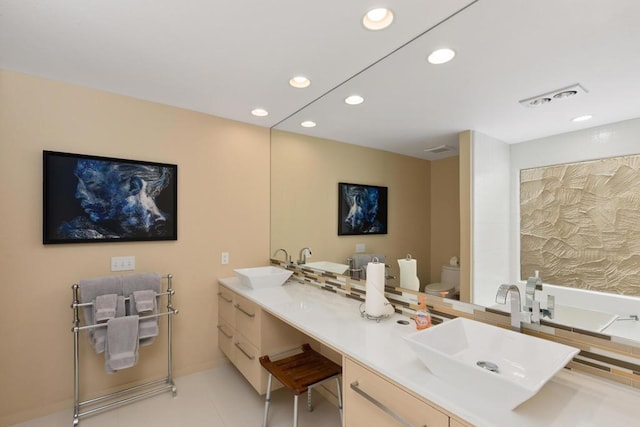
x,y
225,306
247,316
457,423
360,410
246,358
225,338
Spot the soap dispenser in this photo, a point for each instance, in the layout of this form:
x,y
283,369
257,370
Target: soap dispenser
x,y
422,316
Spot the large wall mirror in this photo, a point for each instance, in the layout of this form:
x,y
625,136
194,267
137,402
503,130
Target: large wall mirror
x,y
366,144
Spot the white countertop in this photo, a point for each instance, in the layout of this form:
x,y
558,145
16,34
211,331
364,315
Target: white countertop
x,y
568,399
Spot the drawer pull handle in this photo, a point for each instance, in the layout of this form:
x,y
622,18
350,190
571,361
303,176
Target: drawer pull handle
x,y
354,386
250,357
221,329
221,295
244,311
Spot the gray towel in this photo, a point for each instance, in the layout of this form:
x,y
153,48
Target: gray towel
x,y
104,307
141,282
98,336
145,301
121,346
91,288
147,328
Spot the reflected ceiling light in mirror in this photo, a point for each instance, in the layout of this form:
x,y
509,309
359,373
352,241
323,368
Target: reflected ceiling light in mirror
x,y
582,118
354,100
299,82
441,56
308,124
377,19
259,112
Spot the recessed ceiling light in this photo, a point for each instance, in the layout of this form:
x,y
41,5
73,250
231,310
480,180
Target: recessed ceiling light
x,y
565,94
440,56
582,118
259,112
354,100
377,19
539,101
557,94
299,82
308,124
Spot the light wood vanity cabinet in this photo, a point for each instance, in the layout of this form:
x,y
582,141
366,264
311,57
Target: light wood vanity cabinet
x,y
455,423
370,400
246,332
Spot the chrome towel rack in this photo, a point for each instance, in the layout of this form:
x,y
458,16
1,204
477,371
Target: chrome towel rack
x,y
129,394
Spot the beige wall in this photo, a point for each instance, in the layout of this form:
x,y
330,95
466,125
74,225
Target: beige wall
x,y
445,213
466,216
223,205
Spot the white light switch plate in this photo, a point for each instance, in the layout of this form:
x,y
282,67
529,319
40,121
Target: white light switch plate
x,y
360,248
123,263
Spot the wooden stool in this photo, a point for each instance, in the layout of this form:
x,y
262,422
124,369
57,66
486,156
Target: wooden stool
x,y
299,373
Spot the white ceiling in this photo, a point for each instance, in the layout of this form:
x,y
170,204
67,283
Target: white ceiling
x,y
227,57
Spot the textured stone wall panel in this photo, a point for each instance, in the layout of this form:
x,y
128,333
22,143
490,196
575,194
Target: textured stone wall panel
x,y
580,224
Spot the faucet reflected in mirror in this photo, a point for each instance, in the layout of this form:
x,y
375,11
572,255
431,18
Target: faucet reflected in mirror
x,y
302,259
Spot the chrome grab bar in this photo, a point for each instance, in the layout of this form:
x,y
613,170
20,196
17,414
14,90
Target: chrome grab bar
x,y
249,356
244,311
221,329
355,387
221,295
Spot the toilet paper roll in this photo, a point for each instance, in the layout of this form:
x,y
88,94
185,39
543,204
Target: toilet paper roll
x,y
375,302
408,274
453,261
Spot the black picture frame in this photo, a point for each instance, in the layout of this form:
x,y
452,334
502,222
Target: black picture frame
x,y
362,209
94,199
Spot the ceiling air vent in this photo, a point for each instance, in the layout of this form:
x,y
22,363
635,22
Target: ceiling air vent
x,y
442,149
567,92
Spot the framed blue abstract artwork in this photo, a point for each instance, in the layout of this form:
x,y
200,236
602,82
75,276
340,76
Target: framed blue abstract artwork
x,y
89,199
362,209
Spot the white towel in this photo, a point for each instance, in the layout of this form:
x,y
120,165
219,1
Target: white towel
x,y
104,307
121,346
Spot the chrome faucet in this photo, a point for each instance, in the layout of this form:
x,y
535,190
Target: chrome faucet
x,y
535,284
551,305
517,316
303,258
287,258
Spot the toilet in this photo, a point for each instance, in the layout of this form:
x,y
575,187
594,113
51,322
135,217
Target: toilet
x,y
449,285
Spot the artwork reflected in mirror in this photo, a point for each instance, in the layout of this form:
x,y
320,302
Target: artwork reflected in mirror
x,y
580,224
100,199
362,209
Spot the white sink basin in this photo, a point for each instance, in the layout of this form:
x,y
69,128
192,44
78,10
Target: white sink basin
x,y
582,318
262,277
629,329
463,351
331,267
574,317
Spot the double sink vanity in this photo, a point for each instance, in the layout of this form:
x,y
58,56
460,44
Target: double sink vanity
x,y
396,376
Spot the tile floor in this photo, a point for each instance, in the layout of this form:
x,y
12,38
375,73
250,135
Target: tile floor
x,y
218,397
